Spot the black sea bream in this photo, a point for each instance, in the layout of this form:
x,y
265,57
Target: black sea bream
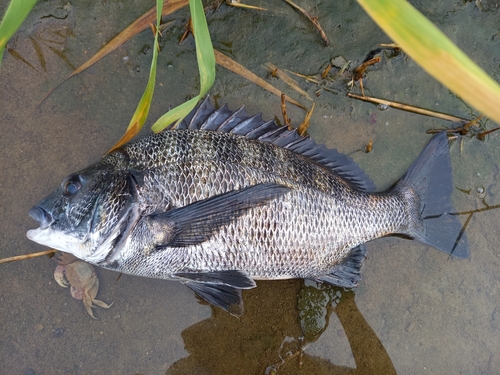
x,y
226,199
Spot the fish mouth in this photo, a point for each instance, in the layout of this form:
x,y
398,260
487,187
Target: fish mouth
x,y
43,234
43,217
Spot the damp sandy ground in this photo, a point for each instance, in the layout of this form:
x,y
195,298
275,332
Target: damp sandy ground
x,y
416,311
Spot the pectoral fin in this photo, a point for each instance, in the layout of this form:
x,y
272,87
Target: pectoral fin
x,y
220,295
347,273
198,221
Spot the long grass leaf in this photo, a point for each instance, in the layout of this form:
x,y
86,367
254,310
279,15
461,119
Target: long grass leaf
x,y
204,49
141,113
434,52
206,65
16,13
132,30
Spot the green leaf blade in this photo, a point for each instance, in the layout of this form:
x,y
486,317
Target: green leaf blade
x,y
15,15
141,113
206,66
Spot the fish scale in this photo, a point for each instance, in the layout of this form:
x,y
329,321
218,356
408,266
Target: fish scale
x,y
227,198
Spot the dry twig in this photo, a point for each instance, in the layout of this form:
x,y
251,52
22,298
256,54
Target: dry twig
x,y
287,121
239,4
302,129
27,256
410,108
313,19
277,72
357,73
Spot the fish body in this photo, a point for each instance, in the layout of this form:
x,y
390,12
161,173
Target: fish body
x,y
226,199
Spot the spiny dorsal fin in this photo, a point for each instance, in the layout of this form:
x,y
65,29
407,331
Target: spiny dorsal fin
x,y
206,117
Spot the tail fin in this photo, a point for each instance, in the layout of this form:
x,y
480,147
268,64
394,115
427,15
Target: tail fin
x,y
431,178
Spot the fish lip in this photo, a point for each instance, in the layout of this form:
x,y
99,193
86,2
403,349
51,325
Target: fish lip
x,y
43,217
33,233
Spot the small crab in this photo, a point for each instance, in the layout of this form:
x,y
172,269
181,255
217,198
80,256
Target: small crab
x,y
81,276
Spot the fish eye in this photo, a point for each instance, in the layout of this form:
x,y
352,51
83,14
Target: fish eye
x,y
72,185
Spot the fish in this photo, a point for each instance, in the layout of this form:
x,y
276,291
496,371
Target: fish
x,y
226,198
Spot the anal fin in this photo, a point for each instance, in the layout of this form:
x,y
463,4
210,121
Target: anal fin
x,y
346,274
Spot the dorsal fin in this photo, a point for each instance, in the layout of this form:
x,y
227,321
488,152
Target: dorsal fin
x,y
206,117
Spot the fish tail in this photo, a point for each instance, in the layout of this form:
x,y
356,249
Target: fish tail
x,y
429,184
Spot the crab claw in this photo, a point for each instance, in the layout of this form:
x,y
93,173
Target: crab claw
x,y
59,276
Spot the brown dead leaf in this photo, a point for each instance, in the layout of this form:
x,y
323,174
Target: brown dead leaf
x,y
287,79
239,69
133,29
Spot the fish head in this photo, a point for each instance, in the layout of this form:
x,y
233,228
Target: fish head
x,y
86,215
